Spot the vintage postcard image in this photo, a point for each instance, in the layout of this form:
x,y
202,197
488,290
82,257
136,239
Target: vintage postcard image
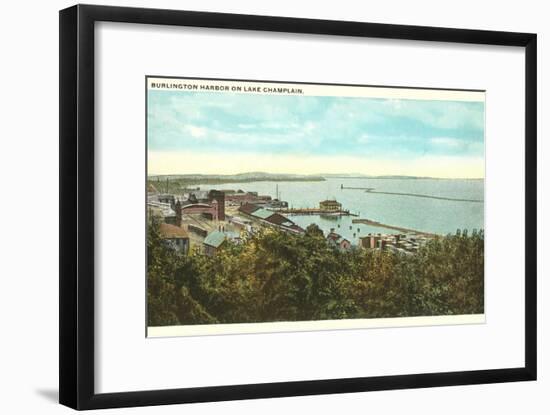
x,y
278,206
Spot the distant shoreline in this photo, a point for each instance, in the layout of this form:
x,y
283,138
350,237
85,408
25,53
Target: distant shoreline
x,y
170,181
273,177
403,178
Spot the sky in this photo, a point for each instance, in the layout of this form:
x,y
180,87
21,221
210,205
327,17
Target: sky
x,y
226,133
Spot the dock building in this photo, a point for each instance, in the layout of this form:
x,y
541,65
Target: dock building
x,y
270,218
330,205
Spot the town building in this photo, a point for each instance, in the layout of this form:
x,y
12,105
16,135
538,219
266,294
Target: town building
x,y
370,241
213,242
197,230
249,209
175,237
217,199
204,209
330,205
166,198
276,204
240,199
398,243
336,240
160,210
270,218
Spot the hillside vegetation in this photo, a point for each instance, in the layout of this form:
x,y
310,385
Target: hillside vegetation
x,y
276,276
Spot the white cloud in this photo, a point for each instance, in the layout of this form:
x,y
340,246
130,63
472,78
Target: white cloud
x,y
309,127
193,120
196,132
446,142
247,126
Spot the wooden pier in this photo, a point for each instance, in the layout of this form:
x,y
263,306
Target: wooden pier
x,y
314,211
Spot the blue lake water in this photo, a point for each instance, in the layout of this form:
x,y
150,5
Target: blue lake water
x,y
423,214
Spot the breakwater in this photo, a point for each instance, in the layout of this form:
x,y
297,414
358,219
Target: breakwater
x,y
372,190
392,227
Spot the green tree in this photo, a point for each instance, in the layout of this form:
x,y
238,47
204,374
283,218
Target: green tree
x,y
278,276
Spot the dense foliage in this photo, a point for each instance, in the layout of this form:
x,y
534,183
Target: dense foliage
x,y
276,276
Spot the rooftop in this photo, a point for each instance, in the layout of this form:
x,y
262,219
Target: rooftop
x,y
248,208
263,213
195,205
336,237
297,228
215,239
278,219
168,231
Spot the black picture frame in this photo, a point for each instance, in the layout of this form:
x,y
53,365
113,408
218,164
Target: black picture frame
x,y
76,278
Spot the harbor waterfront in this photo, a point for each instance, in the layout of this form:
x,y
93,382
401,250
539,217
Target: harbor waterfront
x,y
221,254
427,215
283,202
